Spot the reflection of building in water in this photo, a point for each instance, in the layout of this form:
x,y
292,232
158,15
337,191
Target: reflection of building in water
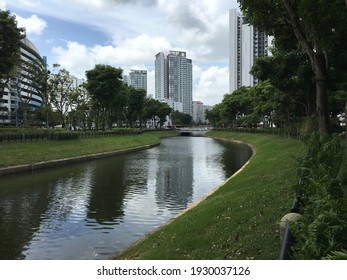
x,y
174,185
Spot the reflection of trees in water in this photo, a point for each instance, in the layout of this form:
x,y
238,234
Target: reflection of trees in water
x,y
105,204
234,156
20,216
25,202
35,206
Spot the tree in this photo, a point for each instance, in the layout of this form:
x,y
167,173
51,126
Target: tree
x,y
317,26
81,113
136,102
236,106
29,80
62,95
10,42
179,118
289,73
156,111
105,86
214,115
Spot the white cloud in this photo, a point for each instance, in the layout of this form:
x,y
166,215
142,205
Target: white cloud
x,y
210,85
33,25
132,52
2,5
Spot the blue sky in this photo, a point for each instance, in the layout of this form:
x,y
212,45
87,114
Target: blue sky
x,y
77,34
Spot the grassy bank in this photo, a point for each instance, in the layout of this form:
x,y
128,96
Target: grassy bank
x,y
238,221
18,153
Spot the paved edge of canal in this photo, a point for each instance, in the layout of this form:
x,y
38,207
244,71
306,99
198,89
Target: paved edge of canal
x,y
66,161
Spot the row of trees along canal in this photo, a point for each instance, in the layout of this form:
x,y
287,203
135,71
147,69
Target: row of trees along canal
x,y
102,101
306,76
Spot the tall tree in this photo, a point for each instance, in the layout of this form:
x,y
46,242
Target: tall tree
x,y
136,102
105,86
10,37
30,80
61,93
291,75
317,26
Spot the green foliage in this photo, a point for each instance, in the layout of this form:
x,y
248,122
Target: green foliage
x,y
179,118
156,111
10,36
308,126
337,255
319,28
108,94
323,227
136,103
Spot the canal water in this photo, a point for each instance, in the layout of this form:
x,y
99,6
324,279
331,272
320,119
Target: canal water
x,y
95,209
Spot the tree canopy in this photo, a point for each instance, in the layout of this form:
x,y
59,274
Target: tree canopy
x,y
10,37
318,26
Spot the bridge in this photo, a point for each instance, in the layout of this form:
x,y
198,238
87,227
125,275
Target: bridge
x,y
191,131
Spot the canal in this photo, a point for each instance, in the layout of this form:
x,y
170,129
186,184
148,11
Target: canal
x,y
95,209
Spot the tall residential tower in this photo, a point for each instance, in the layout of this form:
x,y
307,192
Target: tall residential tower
x,y
174,79
245,44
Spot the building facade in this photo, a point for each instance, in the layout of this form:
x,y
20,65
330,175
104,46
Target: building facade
x,y
245,44
138,79
174,79
199,112
21,96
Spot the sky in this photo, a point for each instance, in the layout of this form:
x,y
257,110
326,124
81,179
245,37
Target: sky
x,y
78,34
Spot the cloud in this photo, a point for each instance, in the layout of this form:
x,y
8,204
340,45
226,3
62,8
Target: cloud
x,y
33,25
2,5
138,52
211,84
200,26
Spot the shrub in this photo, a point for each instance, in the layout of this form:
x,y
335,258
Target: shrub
x,y
323,227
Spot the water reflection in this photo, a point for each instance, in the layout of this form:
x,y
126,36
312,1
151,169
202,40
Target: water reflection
x,y
95,209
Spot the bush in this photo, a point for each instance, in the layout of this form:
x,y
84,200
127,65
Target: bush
x,y
323,227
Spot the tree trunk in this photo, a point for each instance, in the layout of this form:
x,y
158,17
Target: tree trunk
x,y
318,64
322,93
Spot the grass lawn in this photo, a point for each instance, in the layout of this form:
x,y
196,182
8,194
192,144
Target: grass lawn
x,y
18,153
238,221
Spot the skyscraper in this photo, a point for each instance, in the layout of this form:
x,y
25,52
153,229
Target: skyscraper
x,y
161,91
245,44
174,79
138,79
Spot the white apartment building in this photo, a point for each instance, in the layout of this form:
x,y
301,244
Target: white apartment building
x,y
174,79
245,44
199,112
138,79
161,90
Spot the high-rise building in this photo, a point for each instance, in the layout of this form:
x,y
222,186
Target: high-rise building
x,y
161,81
199,112
138,79
21,92
174,79
245,44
